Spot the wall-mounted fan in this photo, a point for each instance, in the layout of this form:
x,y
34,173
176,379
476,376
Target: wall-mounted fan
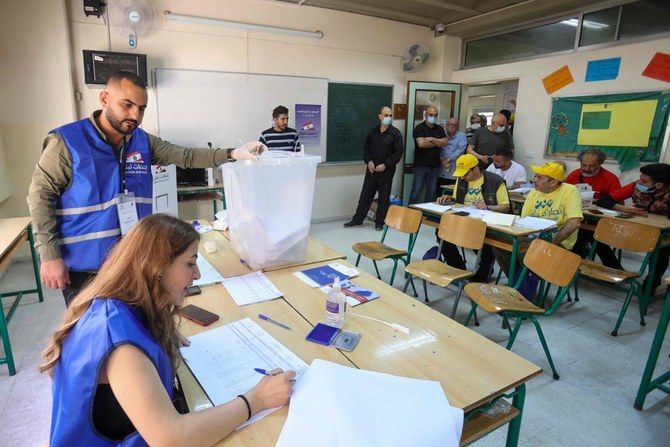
x,y
415,57
132,18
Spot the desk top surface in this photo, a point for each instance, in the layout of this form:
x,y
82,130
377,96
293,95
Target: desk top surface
x,y
465,363
512,230
654,220
10,229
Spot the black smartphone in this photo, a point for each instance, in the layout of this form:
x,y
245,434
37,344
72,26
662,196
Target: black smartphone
x,y
624,215
198,315
193,290
462,213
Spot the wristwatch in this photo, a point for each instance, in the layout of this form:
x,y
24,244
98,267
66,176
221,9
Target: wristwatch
x,y
229,154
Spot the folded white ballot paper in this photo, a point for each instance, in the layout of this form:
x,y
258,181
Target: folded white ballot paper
x,y
334,405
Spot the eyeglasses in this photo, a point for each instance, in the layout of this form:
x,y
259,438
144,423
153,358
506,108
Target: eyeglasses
x,y
432,114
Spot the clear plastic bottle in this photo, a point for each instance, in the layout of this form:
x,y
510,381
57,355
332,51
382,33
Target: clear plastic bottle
x,y
336,305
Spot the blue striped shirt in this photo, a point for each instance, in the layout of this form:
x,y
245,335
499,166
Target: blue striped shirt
x,y
287,140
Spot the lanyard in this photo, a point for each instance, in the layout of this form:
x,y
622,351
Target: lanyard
x,y
122,165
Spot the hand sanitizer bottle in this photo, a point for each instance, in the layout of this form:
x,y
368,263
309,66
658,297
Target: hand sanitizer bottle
x,y
336,303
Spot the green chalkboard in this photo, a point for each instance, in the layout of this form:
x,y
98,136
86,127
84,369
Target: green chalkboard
x,y
353,110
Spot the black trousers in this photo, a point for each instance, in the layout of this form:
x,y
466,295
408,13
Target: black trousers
x,y
376,183
453,258
604,252
77,282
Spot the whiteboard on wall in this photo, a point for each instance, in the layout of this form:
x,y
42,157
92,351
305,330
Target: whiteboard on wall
x,y
195,107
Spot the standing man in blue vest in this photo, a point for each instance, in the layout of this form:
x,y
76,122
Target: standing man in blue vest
x,y
93,181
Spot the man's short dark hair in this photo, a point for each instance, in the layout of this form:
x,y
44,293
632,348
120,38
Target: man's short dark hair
x,y
507,114
593,151
505,153
279,110
128,76
659,172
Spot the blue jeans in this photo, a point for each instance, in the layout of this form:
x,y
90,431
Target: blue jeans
x,y
424,176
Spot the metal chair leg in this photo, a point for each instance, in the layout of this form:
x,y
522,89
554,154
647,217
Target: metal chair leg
x,y
425,291
409,280
513,332
395,266
458,297
624,308
544,345
473,311
377,270
358,259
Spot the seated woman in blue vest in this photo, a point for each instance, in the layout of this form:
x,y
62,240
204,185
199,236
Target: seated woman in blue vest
x,y
113,360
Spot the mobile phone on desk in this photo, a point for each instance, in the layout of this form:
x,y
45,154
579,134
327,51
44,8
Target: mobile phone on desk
x,y
193,290
198,315
461,213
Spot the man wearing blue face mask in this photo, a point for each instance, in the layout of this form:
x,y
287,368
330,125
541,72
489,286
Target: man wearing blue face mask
x,y
650,194
382,151
429,136
488,140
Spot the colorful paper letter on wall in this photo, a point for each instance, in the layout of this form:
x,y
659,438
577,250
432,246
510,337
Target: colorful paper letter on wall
x,y
558,79
617,124
659,67
603,69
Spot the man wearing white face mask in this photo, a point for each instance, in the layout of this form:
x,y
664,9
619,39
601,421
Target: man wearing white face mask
x,y
428,138
650,195
490,139
382,151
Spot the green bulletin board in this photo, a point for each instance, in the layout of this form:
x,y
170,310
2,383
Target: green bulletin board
x,y
629,127
353,110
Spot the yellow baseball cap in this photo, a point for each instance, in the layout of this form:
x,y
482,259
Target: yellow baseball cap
x,y
551,169
464,163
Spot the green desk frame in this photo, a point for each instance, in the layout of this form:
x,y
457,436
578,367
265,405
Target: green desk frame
x,y
4,320
192,193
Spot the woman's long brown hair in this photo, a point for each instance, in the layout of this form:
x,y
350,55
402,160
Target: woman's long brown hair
x,y
131,274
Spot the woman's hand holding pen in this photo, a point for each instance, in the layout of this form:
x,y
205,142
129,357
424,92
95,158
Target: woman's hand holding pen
x,y
273,390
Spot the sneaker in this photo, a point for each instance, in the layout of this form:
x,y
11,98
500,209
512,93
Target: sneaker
x,y
379,227
351,223
431,253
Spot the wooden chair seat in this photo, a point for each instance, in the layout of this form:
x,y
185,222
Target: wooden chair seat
x,y
436,272
598,271
495,299
376,250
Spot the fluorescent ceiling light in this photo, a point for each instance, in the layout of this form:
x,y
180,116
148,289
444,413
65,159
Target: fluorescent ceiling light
x,y
241,25
586,24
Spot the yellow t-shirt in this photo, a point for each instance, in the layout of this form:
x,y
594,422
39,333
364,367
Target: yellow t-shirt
x,y
475,193
560,205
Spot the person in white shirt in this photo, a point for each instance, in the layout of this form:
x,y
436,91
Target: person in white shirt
x,y
513,172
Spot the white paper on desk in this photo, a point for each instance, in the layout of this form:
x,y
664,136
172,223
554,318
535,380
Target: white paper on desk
x,y
208,274
494,218
334,405
535,223
522,190
432,206
605,211
474,212
223,360
251,288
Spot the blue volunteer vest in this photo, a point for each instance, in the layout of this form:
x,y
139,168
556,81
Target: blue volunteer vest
x,y
107,324
86,212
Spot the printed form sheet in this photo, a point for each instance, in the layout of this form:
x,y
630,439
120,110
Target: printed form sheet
x,y
223,360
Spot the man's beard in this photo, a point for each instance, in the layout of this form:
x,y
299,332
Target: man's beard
x,y
117,124
591,174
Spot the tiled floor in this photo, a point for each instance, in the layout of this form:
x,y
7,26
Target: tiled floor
x,y
591,405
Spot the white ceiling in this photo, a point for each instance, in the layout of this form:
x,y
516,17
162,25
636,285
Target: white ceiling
x,y
462,18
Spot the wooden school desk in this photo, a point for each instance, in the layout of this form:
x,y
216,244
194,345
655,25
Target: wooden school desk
x,y
465,363
13,232
510,238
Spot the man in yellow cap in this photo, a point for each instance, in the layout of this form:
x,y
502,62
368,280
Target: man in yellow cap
x,y
554,200
480,189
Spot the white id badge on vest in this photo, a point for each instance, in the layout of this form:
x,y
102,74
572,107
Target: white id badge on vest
x,y
127,210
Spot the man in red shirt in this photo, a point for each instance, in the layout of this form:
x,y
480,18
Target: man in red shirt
x,y
602,182
591,171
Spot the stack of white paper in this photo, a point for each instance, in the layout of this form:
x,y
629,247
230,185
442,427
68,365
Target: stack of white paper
x,y
334,405
535,223
223,360
432,206
251,288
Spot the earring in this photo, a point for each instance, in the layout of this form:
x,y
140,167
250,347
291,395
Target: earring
x,y
160,277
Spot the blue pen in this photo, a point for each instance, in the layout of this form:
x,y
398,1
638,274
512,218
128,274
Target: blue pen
x,y
262,371
270,320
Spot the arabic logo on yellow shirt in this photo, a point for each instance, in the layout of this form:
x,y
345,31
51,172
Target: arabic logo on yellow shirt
x,y
474,191
546,203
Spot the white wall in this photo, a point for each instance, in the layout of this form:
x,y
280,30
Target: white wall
x,y
35,89
354,49
534,104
